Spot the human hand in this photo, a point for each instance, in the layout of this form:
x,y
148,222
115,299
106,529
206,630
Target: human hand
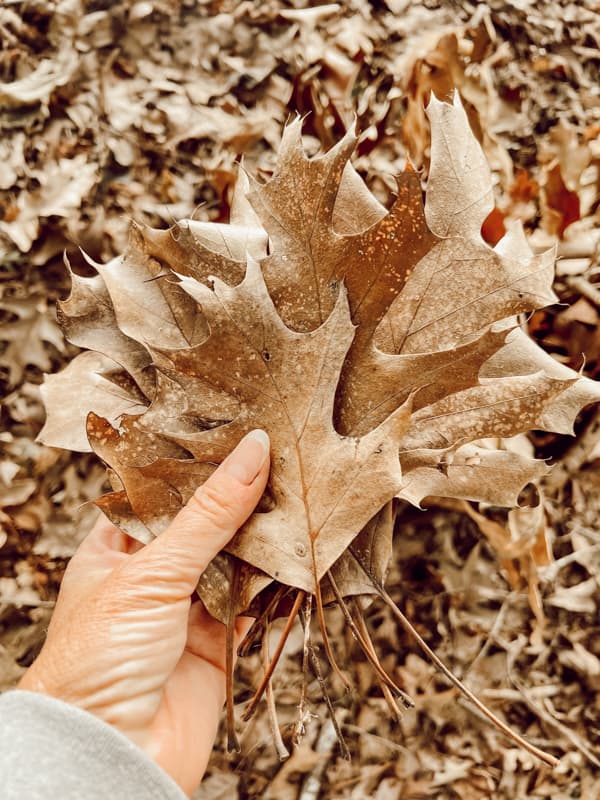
x,y
125,642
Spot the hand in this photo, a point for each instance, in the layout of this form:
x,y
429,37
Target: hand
x,y
125,642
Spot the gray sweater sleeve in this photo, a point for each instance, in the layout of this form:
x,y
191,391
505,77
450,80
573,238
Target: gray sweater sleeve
x,y
49,749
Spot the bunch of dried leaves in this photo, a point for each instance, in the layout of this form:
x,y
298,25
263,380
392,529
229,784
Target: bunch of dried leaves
x,y
377,347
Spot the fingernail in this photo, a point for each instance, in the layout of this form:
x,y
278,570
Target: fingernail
x,y
247,459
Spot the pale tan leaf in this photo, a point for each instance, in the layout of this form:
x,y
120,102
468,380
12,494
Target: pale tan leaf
x,y
38,86
469,473
459,195
457,289
149,306
373,383
580,599
117,508
203,249
88,320
373,548
91,382
500,407
355,209
521,356
309,260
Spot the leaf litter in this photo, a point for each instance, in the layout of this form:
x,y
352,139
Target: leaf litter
x,y
483,60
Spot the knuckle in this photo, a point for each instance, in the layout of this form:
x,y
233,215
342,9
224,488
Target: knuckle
x,y
150,569
159,590
129,593
131,576
126,588
147,581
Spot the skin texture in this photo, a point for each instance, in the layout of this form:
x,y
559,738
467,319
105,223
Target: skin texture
x,y
127,644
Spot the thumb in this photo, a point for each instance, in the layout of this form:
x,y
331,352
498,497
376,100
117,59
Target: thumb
x,y
169,567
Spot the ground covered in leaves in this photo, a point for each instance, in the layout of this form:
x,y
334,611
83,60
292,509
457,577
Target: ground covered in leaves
x,y
142,110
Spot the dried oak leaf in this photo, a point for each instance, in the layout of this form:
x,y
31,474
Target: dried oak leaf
x,y
375,346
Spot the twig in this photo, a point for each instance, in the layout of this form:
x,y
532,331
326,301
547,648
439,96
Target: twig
x,y
253,704
404,622
305,617
575,740
314,662
311,788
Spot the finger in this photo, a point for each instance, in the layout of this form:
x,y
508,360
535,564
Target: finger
x,y
101,551
173,563
98,554
207,636
103,536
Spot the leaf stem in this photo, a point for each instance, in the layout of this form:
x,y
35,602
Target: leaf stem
x,y
305,617
323,629
233,744
388,695
282,750
367,647
257,630
253,704
547,758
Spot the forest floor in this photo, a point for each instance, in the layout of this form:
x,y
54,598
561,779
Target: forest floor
x,y
113,111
